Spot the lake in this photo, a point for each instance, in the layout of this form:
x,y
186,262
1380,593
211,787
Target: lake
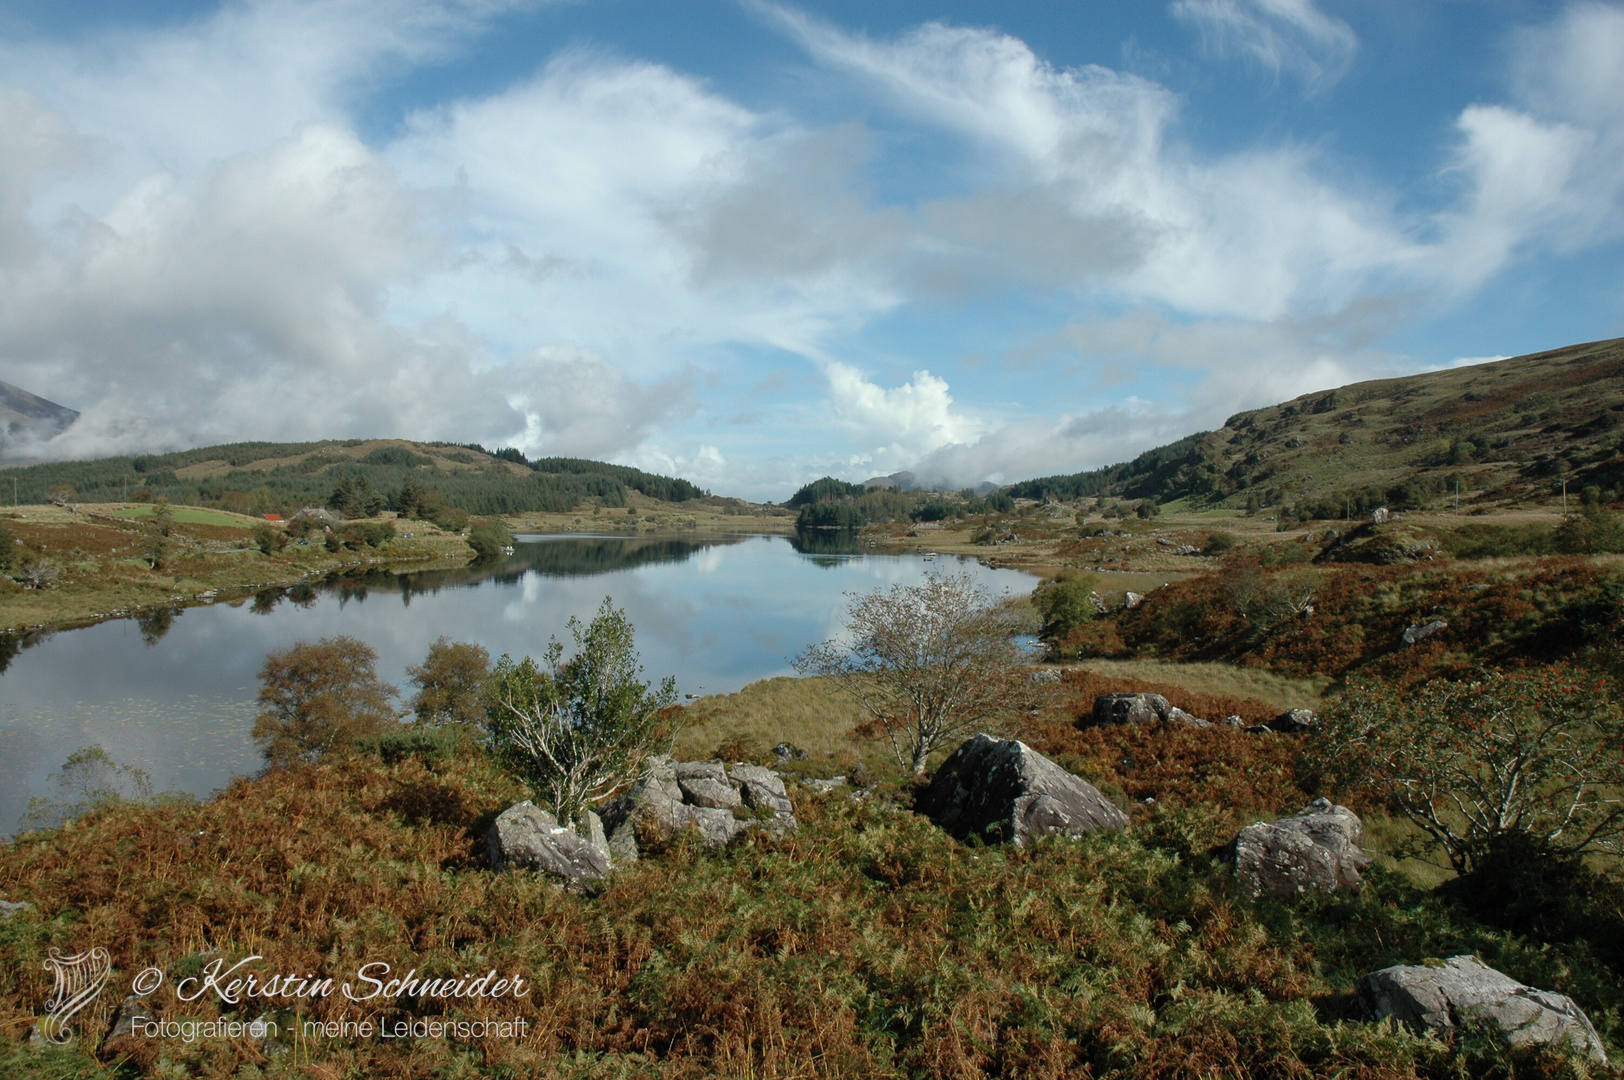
x,y
173,693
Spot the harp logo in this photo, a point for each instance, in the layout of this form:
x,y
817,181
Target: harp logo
x,y
79,978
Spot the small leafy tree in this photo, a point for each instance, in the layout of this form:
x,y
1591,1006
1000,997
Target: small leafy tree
x,y
929,662
489,538
451,684
1592,531
1065,602
1529,759
89,780
269,539
579,730
317,699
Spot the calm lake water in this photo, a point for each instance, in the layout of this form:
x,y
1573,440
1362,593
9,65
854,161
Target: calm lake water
x,y
173,694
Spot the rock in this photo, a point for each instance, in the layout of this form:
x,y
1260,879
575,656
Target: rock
x,y
527,837
714,794
823,787
1314,850
1234,721
787,752
1002,789
1258,729
1381,516
1176,715
717,828
763,789
1132,600
703,794
122,1023
8,908
1042,676
1464,989
1414,634
1294,721
1130,709
700,770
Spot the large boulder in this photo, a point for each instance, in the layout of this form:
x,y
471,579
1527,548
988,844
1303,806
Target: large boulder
x,y
1112,709
527,837
1294,721
721,803
1130,709
1314,850
1002,789
1463,989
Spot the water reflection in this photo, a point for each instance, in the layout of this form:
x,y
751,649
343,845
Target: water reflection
x,y
173,693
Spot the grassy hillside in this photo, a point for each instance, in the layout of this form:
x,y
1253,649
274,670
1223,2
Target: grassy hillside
x,y
1508,432
258,477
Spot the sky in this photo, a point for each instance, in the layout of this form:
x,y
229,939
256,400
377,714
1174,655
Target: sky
x,y
753,243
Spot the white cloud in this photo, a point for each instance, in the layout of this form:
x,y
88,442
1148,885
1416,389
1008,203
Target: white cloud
x,y
1283,37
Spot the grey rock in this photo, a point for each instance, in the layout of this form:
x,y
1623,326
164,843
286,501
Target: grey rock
x,y
1234,721
8,908
1176,715
529,838
1464,989
824,786
700,770
1002,789
714,794
1423,631
717,828
789,752
1314,850
1043,675
763,789
1132,599
1130,709
121,1025
702,794
1294,721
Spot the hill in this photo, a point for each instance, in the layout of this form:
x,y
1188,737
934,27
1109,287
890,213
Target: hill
x,y
1508,433
29,415
260,477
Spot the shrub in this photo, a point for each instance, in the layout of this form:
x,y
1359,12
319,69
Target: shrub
x,y
451,684
929,662
1528,756
1065,602
489,538
578,730
1147,508
1592,531
317,699
1219,542
269,539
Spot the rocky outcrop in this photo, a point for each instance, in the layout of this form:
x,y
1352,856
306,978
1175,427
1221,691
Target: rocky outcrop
x,y
1314,850
1140,709
526,837
1462,989
1003,790
1129,709
1421,632
8,908
1293,721
722,803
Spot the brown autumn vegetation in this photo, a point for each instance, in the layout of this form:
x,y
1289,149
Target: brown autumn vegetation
x,y
1525,612
867,944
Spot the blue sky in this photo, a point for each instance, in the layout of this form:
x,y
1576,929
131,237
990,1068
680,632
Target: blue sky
x,y
753,243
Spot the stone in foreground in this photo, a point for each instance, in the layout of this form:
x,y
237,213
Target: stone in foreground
x,y
1130,709
1003,790
527,837
704,794
1314,850
1464,989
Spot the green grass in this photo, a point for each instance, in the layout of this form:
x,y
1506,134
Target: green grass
x,y
190,515
1225,680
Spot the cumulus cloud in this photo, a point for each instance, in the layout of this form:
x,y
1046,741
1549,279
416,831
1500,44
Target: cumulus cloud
x,y
1283,37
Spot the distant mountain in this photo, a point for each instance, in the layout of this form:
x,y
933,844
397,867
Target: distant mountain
x,y
903,481
28,416
1507,432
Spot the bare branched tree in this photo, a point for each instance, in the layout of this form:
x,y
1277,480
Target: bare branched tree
x,y
930,662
